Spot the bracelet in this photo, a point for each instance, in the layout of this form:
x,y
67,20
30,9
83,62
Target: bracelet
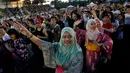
x,y
30,36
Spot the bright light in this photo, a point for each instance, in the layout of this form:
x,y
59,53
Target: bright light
x,y
14,6
31,0
21,0
39,4
47,3
65,0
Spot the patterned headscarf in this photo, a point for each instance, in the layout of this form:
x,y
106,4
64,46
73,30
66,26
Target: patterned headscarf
x,y
91,34
66,53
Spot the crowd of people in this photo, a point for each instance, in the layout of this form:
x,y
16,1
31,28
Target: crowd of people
x,y
82,39
19,12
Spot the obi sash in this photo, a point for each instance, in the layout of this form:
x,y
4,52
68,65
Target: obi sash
x,y
92,46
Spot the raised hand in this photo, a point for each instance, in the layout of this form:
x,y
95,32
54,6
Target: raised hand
x,y
94,8
21,29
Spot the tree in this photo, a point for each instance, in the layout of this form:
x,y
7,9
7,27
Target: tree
x,y
55,3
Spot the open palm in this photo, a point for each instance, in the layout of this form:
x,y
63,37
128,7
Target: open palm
x,y
21,28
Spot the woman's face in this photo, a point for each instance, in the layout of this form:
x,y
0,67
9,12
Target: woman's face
x,y
38,25
108,9
12,36
74,17
53,21
120,17
93,26
128,10
109,16
67,39
2,31
98,23
106,19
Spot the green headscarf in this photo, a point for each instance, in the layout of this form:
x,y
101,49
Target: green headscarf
x,y
66,53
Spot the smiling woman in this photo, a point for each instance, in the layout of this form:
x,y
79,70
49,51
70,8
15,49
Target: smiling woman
x,y
66,56
67,39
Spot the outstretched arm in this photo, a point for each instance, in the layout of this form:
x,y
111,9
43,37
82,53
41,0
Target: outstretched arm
x,y
25,32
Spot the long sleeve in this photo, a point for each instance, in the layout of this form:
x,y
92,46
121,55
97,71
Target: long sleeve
x,y
76,64
107,45
49,50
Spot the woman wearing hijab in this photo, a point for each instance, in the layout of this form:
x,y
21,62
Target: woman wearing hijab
x,y
66,56
98,45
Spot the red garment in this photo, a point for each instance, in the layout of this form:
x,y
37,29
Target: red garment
x,y
80,35
107,26
59,69
92,57
39,20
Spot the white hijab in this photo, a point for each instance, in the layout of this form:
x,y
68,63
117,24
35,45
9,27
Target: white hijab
x,y
91,34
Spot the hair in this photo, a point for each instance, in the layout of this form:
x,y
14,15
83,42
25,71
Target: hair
x,y
127,6
53,17
10,19
88,12
58,15
78,15
109,8
13,31
105,15
112,17
2,27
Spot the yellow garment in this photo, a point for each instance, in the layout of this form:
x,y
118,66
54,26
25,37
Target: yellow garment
x,y
92,46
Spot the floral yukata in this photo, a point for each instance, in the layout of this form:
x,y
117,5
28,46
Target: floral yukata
x,y
105,51
98,46
20,55
20,48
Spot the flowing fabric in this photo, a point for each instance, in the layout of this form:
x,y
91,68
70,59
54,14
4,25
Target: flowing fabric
x,y
80,35
97,53
68,57
67,53
94,57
